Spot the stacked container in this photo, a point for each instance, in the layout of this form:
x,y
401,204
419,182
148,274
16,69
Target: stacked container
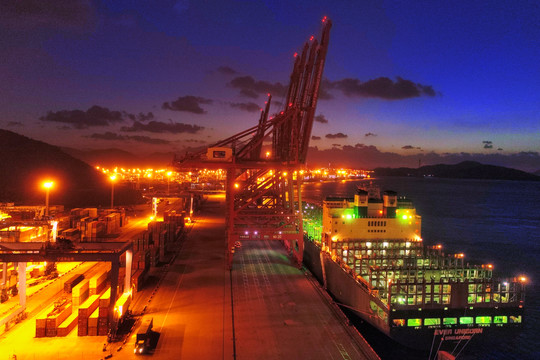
x,y
103,313
85,310
98,283
80,292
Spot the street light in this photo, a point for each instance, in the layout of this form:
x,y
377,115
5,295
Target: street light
x,y
168,182
113,178
47,185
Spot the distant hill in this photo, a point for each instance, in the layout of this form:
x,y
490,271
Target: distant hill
x,y
25,163
117,157
463,170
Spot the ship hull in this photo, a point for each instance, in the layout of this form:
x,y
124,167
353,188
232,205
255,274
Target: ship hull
x,y
355,296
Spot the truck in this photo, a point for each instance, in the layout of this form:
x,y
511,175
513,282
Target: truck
x,y
143,337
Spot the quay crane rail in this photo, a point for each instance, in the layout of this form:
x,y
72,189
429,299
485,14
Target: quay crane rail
x,y
262,191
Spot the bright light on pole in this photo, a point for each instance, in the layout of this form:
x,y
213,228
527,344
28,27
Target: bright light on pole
x,y
47,185
112,178
168,182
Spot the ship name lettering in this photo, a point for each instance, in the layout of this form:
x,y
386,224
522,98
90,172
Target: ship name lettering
x,y
468,331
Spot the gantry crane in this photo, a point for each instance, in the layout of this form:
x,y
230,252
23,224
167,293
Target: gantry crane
x,y
263,194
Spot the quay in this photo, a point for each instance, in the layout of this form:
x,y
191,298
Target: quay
x,y
264,308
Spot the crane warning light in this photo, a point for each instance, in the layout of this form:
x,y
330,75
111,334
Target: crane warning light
x,y
324,19
295,54
311,38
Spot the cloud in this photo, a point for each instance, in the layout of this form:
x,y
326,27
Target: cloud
x,y
382,87
250,106
487,144
162,127
79,119
369,134
324,90
226,70
115,137
140,117
337,145
15,124
252,88
410,147
321,119
500,149
313,137
335,136
187,103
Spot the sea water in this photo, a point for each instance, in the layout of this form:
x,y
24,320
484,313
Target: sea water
x,y
490,221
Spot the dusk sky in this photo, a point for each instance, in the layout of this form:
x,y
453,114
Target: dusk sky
x,y
414,78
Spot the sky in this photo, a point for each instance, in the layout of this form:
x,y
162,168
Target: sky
x,y
405,82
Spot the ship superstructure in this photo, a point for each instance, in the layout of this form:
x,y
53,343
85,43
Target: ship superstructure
x,y
397,283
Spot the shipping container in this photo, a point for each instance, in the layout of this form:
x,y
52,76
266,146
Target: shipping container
x,y
93,319
73,281
82,326
69,324
98,282
105,299
88,307
80,293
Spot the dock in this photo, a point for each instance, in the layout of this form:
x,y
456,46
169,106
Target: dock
x,y
264,308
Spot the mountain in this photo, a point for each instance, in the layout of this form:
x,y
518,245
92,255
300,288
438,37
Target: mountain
x,y
463,170
105,157
110,158
25,163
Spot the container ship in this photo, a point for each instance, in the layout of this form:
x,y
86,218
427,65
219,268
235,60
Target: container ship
x,y
368,252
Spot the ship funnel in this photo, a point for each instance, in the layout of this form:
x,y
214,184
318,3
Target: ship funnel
x,y
389,203
361,203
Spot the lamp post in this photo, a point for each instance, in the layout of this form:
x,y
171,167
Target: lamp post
x,y
168,182
113,178
47,185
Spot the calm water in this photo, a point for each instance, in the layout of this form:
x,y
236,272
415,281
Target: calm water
x,y
496,222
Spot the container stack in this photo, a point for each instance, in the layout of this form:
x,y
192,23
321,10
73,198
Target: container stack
x,y
141,260
80,293
121,277
85,310
57,317
67,325
122,304
93,323
138,278
98,283
94,230
72,282
103,313
112,222
92,212
48,321
41,322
